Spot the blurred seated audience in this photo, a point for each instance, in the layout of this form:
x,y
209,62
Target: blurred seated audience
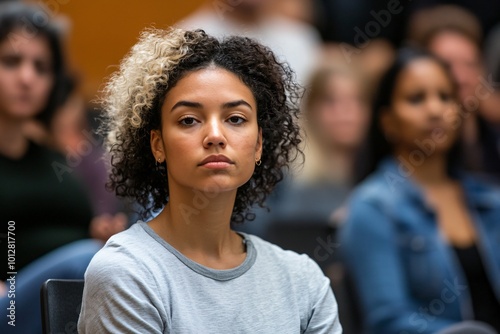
x,y
67,262
46,195
335,120
48,211
292,40
70,133
421,239
455,35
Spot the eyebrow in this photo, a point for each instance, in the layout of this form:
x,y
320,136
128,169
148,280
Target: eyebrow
x,y
188,104
197,105
233,104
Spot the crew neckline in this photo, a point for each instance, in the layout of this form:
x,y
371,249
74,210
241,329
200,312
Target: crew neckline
x,y
216,274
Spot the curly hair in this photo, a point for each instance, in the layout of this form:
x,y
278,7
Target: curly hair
x,y
134,95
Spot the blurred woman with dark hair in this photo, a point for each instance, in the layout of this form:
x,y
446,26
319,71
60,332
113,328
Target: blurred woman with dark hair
x,y
49,212
421,238
48,207
455,35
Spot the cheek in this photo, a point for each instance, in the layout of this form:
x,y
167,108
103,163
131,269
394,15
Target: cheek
x,y
245,148
43,89
408,118
178,151
6,83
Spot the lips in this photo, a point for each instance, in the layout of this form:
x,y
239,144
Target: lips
x,y
216,159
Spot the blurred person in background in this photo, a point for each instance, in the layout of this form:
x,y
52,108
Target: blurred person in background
x,y
70,133
491,107
421,238
39,190
455,35
48,212
335,119
292,40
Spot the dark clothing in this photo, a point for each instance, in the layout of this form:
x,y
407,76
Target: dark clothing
x,y
49,208
484,302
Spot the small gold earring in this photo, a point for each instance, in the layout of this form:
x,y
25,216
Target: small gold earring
x,y
258,162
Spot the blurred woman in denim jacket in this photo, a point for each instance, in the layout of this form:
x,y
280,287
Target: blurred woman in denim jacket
x,y
421,238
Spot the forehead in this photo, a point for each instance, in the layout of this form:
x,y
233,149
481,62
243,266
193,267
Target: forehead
x,y
452,45
212,83
19,42
423,73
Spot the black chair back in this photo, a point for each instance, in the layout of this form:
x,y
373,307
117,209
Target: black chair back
x,y
61,301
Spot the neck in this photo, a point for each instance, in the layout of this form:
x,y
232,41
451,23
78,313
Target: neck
x,y
470,130
342,162
333,162
198,224
431,170
13,144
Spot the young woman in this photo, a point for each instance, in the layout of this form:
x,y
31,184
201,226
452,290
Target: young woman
x,y
46,212
201,130
421,238
49,212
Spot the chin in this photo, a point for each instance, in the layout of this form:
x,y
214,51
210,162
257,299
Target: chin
x,y
23,114
217,186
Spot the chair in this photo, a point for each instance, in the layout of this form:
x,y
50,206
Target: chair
x,y
318,240
61,300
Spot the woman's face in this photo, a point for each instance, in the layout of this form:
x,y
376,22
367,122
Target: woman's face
x,y
26,75
423,114
209,134
341,114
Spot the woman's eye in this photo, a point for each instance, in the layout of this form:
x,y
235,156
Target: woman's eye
x,y
187,121
414,99
10,61
236,120
42,68
445,96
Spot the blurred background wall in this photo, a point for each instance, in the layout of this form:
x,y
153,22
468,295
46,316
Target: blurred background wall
x,y
101,32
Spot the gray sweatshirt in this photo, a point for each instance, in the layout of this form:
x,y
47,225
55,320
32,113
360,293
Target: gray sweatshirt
x,y
138,283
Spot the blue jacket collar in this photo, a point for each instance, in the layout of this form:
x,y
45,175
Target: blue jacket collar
x,y
397,174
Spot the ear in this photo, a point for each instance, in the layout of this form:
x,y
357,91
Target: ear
x,y
156,143
258,147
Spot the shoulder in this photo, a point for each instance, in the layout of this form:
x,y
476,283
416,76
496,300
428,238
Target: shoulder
x,y
479,184
372,208
123,253
482,192
378,190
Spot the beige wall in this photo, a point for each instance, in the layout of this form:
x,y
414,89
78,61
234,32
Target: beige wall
x,y
102,31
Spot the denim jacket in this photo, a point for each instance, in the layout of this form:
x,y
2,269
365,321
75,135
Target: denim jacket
x,y
408,278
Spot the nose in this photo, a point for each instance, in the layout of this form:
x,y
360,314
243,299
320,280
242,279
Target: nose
x,y
435,107
27,74
214,135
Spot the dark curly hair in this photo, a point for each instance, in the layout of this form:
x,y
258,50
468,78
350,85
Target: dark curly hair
x,y
134,96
